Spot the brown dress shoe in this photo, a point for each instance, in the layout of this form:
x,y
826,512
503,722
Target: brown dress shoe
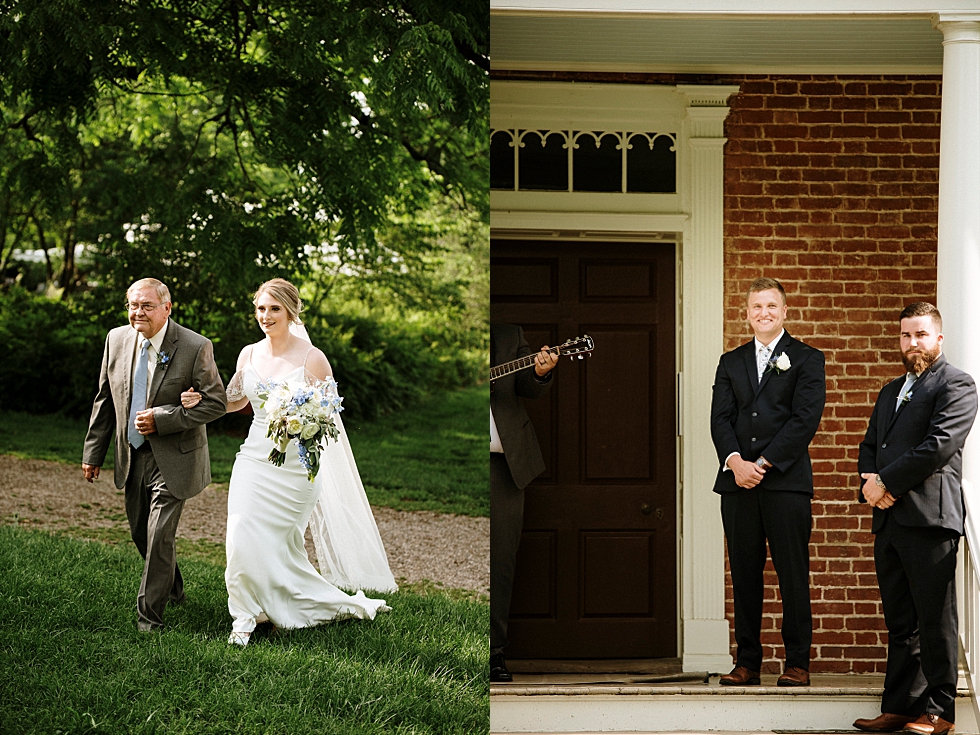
x,y
930,725
794,676
740,677
885,722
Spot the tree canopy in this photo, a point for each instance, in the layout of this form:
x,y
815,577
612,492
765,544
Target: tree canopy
x,y
217,143
230,138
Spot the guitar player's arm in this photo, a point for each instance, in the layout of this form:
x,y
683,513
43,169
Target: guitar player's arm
x,y
533,383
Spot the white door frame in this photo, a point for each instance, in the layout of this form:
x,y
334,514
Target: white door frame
x,y
693,218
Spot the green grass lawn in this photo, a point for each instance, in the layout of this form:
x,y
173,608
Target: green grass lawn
x,y
74,662
432,456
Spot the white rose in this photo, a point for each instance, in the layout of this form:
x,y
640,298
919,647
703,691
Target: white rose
x,y
782,362
309,431
294,425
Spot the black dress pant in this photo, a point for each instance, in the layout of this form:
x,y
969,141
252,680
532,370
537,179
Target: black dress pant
x,y
916,569
506,523
752,516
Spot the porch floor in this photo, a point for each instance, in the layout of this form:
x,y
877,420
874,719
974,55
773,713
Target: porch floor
x,y
587,702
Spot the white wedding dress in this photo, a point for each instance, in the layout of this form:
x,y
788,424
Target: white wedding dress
x,y
268,573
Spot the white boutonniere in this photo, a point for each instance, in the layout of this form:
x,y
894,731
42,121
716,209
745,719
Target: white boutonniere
x,y
907,398
780,364
163,359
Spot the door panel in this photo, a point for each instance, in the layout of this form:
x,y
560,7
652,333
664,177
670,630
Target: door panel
x,y
596,571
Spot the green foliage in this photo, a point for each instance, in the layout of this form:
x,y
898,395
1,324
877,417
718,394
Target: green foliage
x,y
54,351
228,142
213,145
383,359
76,662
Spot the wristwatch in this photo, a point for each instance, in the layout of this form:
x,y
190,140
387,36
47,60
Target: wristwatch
x,y
761,462
879,483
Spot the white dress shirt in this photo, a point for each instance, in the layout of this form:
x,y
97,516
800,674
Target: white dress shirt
x,y
495,446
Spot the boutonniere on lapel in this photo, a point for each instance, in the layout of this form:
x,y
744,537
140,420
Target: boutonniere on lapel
x,y
780,364
907,398
163,358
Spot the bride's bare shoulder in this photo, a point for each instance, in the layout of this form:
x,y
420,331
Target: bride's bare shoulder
x,y
244,356
317,364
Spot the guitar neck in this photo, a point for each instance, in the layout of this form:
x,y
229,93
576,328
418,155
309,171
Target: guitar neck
x,y
506,368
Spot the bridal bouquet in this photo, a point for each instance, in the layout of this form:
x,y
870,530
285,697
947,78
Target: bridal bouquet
x,y
301,413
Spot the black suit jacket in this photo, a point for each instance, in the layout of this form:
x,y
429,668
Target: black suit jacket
x,y
513,424
918,449
776,418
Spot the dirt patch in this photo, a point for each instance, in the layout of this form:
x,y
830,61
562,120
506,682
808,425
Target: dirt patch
x,y
452,551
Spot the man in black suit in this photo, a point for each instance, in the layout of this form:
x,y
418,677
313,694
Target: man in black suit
x,y
911,461
766,405
515,460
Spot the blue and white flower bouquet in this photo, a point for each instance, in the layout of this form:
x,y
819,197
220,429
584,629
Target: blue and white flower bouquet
x,y
303,413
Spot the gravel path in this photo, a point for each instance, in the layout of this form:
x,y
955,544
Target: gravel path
x,y
450,550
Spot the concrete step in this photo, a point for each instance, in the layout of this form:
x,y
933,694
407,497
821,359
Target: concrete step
x,y
585,704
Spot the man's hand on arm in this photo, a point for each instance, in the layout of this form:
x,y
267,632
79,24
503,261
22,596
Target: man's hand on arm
x,y
747,474
91,471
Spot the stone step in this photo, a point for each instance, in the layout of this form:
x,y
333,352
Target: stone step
x,y
608,704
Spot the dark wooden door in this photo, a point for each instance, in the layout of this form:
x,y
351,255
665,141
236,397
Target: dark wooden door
x,y
596,571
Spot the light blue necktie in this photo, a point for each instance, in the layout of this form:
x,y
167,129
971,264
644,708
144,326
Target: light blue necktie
x,y
910,378
139,394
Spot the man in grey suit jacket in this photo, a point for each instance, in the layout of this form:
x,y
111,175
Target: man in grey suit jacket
x,y
161,456
911,462
515,460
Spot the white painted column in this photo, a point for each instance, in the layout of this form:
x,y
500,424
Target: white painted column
x,y
705,637
959,201
958,261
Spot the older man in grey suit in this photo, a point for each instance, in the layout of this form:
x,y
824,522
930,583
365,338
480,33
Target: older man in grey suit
x,y
161,456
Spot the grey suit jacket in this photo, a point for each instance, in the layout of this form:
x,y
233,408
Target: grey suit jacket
x,y
180,444
517,435
918,449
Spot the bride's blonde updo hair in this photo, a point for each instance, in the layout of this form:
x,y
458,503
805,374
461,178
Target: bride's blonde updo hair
x,y
285,293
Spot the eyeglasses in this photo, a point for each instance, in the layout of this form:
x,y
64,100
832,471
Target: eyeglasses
x,y
147,308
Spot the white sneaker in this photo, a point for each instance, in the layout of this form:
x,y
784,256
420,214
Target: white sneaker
x,y
239,639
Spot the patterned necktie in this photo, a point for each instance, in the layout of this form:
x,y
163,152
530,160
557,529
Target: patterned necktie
x,y
138,402
762,359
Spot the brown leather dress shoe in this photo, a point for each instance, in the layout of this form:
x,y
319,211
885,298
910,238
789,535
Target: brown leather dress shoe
x,y
885,722
794,676
930,725
740,677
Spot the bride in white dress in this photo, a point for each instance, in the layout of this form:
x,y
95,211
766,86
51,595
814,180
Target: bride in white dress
x,y
268,574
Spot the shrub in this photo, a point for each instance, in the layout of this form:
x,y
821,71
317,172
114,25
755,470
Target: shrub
x,y
383,360
54,352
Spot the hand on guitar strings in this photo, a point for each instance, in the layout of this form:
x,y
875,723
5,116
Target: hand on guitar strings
x,y
544,362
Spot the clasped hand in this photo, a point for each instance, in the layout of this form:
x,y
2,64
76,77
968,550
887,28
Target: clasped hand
x,y
876,495
145,422
747,474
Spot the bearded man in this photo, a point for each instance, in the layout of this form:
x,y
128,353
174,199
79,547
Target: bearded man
x,y
911,463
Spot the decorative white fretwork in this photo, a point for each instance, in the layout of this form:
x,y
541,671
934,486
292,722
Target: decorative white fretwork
x,y
572,140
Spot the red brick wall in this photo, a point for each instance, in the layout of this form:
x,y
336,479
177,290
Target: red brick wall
x,y
831,187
